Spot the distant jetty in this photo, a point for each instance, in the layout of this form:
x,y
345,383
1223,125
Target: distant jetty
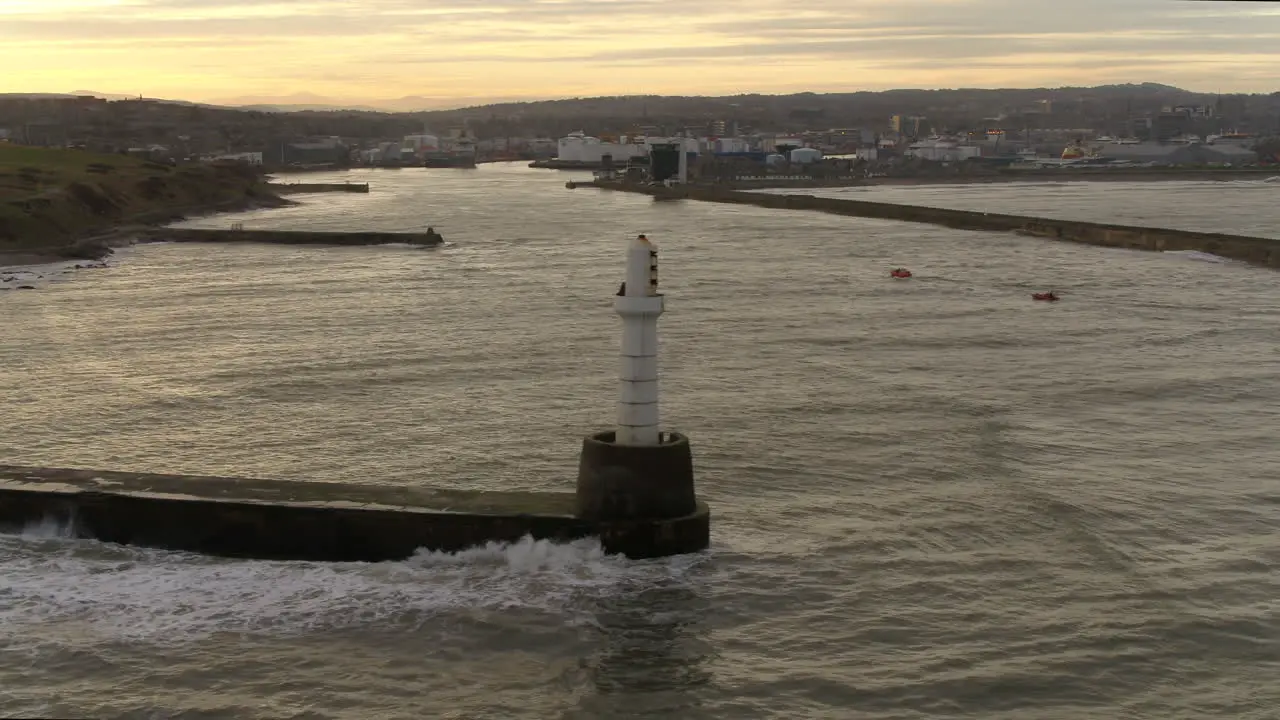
x,y
237,234
295,188
1254,250
557,164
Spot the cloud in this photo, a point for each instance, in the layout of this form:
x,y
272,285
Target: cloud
x,y
362,49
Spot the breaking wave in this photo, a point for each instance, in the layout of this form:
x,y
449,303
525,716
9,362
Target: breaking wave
x,y
119,593
1198,255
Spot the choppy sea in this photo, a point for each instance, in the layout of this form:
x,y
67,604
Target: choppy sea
x,y
932,498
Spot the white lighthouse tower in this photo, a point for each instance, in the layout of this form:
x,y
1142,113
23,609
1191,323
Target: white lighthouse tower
x,y
635,483
639,304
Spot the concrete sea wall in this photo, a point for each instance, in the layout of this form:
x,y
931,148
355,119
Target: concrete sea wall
x,y
289,188
291,237
302,520
1255,250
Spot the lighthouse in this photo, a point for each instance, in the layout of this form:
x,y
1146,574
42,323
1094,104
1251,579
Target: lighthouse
x,y
635,482
639,304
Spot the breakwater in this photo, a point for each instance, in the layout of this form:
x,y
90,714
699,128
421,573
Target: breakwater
x,y
556,164
1077,174
290,237
293,188
300,520
1255,250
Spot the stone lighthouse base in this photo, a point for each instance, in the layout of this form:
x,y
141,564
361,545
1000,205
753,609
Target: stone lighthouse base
x,y
640,498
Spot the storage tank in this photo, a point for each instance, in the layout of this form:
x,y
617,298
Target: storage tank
x,y
801,156
774,159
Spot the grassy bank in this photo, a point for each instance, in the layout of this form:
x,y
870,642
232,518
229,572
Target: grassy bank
x,y
58,203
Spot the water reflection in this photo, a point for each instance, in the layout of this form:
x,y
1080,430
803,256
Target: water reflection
x,y
656,653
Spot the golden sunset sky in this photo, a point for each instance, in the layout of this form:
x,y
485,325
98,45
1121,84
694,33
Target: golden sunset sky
x,y
454,52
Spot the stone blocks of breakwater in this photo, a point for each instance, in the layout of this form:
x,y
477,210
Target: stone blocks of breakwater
x,y
1255,250
287,520
289,188
292,237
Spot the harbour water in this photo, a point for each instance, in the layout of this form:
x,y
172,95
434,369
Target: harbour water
x,y
932,498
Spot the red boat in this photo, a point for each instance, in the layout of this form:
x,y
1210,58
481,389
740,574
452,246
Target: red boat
x,y
1049,296
900,273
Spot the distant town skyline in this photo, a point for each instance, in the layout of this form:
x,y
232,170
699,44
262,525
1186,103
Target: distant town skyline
x,y
451,53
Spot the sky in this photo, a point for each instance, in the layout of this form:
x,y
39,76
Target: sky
x,y
444,53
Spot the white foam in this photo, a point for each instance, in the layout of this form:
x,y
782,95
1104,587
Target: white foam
x,y
51,584
36,276
1197,255
407,246
39,276
47,529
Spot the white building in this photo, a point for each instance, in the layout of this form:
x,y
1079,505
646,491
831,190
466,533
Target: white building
x,y
582,148
732,145
802,156
942,150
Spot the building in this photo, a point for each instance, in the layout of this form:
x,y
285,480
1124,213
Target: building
x,y
940,150
311,151
730,146
907,125
578,147
804,156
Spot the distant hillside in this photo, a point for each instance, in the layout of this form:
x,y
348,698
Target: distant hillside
x,y
948,108
117,96
418,104
302,102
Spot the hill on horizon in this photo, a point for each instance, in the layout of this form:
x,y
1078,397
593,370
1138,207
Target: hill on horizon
x,y
417,104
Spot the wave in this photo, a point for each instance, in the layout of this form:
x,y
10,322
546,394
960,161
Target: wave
x,y
1198,255
111,592
1262,182
38,276
411,246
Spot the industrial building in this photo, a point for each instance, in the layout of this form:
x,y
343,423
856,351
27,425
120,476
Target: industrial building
x,y
940,150
578,147
805,155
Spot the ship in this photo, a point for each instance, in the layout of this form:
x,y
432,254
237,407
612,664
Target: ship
x,y
463,155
